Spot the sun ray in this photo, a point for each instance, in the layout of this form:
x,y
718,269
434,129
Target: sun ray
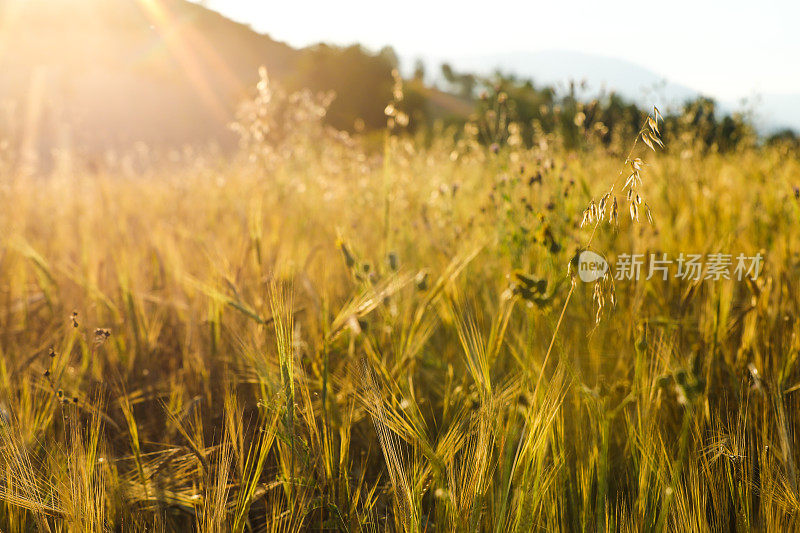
x,y
196,57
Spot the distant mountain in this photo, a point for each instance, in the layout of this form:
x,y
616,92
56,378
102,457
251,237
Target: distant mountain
x,y
639,84
774,111
559,67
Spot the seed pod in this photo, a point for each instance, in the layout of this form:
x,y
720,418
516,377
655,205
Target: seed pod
x,y
585,219
393,260
421,280
613,219
349,260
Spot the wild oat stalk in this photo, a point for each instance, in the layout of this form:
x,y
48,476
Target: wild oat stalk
x,y
607,210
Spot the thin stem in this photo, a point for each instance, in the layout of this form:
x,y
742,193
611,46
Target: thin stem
x,y
553,338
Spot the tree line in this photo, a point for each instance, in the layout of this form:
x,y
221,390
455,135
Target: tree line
x,y
363,84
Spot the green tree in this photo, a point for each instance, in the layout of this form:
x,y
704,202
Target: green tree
x,y
362,82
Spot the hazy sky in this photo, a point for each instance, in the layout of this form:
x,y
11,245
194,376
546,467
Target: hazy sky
x,y
727,48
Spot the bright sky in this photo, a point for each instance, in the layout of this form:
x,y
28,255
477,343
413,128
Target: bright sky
x,y
726,48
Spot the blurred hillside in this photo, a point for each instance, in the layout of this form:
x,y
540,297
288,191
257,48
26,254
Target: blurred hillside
x,y
98,74
92,75
88,76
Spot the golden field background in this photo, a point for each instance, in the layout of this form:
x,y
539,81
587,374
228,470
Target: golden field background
x,y
329,333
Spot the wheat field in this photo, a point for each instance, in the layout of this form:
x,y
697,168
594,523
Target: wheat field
x,y
383,333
